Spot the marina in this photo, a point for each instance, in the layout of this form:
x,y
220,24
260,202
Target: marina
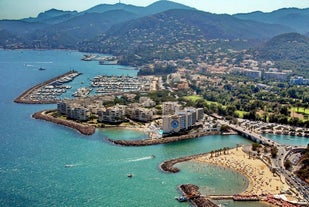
x,y
47,92
119,84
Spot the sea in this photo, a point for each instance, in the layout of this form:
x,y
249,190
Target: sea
x,y
34,153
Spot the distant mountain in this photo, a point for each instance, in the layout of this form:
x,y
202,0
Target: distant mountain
x,y
156,7
161,6
52,16
298,19
290,51
102,8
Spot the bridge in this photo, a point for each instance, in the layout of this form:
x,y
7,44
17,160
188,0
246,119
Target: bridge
x,y
255,137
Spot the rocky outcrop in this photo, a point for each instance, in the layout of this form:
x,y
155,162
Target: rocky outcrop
x,y
82,128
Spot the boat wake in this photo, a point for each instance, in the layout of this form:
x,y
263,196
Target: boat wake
x,y
71,165
142,158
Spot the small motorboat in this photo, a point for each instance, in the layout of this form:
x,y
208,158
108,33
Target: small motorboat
x,y
130,175
68,166
181,198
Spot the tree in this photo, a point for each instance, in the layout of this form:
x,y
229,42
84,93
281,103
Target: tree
x,y
255,146
224,128
287,164
274,151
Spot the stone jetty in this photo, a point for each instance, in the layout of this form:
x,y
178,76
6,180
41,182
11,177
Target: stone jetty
x,y
82,128
146,142
168,165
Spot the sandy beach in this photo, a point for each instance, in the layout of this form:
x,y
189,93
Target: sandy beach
x,y
261,179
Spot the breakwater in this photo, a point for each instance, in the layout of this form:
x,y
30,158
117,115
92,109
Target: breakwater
x,y
82,128
168,165
146,142
25,97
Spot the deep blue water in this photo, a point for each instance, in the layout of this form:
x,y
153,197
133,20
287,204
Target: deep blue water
x,y
34,152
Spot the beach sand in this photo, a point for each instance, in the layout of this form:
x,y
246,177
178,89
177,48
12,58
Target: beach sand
x,y
261,179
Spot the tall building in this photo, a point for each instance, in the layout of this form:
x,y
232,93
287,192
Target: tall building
x,y
182,120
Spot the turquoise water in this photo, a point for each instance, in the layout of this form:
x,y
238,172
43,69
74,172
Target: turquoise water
x,y
34,152
289,140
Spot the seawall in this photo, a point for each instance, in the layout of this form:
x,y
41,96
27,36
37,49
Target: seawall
x,y
146,142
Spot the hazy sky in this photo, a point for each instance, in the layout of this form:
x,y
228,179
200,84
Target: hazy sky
x,y
16,9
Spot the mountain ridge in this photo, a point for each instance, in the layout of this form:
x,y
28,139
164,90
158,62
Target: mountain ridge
x,y
296,18
51,28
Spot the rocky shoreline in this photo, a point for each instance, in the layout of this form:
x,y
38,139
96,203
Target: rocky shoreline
x,y
82,128
146,142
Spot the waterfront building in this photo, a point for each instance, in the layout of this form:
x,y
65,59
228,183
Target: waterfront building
x,y
144,115
73,110
182,120
78,113
135,112
115,114
171,124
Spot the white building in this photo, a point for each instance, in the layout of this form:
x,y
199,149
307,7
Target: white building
x,y
181,120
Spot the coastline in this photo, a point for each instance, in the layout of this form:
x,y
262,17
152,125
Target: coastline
x,y
263,184
261,180
82,128
87,129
